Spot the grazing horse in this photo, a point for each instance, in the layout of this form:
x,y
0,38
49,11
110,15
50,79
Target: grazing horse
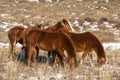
x,y
50,41
61,25
87,42
15,35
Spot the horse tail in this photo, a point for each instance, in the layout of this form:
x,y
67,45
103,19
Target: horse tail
x,y
99,49
10,47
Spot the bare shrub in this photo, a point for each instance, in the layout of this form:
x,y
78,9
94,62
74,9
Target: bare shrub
x,y
103,19
117,25
90,19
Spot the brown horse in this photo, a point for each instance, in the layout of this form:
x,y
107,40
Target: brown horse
x,y
15,35
50,41
87,42
18,34
61,25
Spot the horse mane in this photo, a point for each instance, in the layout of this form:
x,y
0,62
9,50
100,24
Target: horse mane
x,y
59,25
54,28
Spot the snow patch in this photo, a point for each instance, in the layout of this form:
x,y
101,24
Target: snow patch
x,y
112,46
59,75
33,78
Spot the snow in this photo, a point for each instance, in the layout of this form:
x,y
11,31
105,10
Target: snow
x,y
59,75
86,23
34,1
6,26
7,45
33,78
112,46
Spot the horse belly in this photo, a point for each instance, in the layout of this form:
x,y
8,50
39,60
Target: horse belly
x,y
79,47
47,46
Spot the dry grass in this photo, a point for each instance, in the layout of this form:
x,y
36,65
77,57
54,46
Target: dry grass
x,y
105,36
50,13
14,70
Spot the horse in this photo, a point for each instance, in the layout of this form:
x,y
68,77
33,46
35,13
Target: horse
x,y
50,41
18,34
61,25
15,35
87,42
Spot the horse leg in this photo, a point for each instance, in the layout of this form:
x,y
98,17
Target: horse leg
x,y
37,52
72,62
91,59
83,56
12,49
61,53
49,55
57,58
29,55
54,55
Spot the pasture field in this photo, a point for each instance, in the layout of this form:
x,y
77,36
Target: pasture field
x,y
99,17
14,70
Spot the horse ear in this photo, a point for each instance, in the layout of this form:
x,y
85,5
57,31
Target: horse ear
x,y
62,23
64,20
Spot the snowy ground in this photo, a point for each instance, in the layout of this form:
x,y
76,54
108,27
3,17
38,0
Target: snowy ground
x,y
15,71
112,46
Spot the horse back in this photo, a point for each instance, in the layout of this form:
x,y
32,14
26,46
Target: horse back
x,y
15,33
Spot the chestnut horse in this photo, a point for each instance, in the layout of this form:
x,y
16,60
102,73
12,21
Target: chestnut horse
x,y
18,34
15,35
50,41
87,42
61,25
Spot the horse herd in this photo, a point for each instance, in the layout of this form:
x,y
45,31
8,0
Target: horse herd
x,y
56,40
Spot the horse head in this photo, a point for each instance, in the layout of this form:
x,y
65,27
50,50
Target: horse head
x,y
67,25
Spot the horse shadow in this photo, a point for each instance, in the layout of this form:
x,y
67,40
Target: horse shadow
x,y
40,58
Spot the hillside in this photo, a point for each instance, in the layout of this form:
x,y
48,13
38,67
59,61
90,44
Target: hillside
x,y
101,17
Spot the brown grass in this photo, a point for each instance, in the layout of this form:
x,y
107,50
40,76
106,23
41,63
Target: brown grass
x,y
14,70
105,36
25,12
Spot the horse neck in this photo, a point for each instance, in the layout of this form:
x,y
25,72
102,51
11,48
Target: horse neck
x,y
68,44
54,27
99,48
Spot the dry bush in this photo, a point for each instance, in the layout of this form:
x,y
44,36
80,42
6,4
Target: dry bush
x,y
117,26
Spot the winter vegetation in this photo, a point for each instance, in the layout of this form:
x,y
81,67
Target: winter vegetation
x,y
101,17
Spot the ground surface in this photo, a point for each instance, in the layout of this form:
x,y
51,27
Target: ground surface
x,y
101,18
